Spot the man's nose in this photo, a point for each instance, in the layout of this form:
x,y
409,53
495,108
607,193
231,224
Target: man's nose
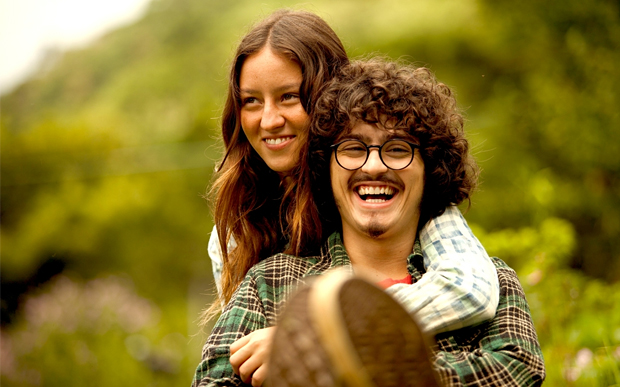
x,y
374,165
272,117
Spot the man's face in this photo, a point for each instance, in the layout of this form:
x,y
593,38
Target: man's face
x,y
374,200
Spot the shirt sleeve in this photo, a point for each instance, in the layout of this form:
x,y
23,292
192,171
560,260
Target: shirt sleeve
x,y
460,286
502,352
215,253
244,314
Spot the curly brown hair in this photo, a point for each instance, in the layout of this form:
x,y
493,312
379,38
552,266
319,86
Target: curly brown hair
x,y
392,96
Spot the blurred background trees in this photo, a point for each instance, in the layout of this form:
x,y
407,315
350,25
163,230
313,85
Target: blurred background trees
x,y
107,151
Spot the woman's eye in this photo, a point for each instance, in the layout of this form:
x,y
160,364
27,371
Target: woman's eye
x,y
289,96
249,100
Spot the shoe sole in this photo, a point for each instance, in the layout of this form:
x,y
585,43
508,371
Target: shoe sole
x,y
357,334
297,359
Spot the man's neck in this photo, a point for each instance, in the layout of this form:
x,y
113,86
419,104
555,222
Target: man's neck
x,y
379,258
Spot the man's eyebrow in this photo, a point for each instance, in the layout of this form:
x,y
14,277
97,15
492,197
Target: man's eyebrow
x,y
355,136
390,136
288,87
402,136
352,136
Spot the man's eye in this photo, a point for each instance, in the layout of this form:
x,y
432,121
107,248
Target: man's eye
x,y
397,151
353,149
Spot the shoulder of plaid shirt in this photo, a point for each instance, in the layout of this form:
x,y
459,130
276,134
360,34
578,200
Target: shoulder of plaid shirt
x,y
501,351
460,287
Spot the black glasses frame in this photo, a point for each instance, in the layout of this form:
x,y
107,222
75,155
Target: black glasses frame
x,y
379,148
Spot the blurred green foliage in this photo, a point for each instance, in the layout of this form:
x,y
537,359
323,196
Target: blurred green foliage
x,y
106,154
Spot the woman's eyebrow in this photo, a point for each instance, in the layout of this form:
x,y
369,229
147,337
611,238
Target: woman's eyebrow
x,y
289,87
280,89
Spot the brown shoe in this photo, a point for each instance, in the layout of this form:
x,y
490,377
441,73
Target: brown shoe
x,y
343,331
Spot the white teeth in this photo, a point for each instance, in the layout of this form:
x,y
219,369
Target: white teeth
x,y
375,200
276,141
375,190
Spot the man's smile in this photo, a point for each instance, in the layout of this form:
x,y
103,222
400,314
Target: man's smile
x,y
375,194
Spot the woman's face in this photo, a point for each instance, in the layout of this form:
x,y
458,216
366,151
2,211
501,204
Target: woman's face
x,y
272,115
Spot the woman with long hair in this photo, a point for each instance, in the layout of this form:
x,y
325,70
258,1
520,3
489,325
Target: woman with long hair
x,y
253,189
278,72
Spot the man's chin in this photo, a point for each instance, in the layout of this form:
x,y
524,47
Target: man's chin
x,y
375,230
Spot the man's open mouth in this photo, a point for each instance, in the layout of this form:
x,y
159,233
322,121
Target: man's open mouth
x,y
375,194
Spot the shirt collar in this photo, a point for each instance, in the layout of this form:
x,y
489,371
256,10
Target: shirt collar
x,y
415,261
336,250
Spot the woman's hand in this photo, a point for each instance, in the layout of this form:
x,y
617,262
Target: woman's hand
x,y
249,355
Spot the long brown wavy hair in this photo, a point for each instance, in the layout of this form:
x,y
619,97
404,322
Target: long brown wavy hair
x,y
252,203
392,96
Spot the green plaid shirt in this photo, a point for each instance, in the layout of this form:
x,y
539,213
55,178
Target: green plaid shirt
x,y
501,352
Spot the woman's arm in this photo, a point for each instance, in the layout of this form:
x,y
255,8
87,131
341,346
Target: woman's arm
x,y
460,286
255,305
249,356
243,314
215,253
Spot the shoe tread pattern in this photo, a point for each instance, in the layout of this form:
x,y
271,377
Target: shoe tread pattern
x,y
388,341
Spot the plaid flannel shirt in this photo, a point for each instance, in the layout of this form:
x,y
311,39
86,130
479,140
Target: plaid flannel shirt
x,y
461,287
503,351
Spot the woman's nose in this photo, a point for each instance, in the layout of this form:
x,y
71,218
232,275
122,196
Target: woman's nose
x,y
272,117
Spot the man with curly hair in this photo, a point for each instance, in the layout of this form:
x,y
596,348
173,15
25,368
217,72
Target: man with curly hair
x,y
386,153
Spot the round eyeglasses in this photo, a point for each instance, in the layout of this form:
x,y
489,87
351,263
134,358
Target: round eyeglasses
x,y
395,154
